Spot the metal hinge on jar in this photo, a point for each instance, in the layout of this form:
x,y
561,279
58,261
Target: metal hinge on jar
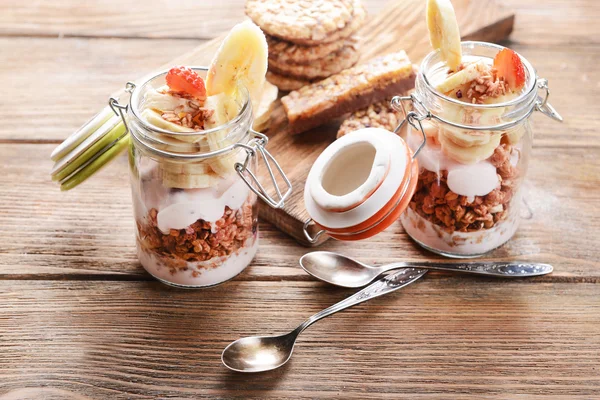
x,y
254,146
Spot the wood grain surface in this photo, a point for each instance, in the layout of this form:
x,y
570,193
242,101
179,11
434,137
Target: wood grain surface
x,y
438,338
87,232
80,319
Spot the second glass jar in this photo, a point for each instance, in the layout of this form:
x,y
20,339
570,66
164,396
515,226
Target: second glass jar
x,y
473,163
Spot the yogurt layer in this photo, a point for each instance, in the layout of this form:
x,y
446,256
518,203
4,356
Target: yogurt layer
x,y
178,209
468,180
462,244
199,273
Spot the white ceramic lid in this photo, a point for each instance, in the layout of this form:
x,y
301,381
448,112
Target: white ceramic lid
x,y
349,171
383,148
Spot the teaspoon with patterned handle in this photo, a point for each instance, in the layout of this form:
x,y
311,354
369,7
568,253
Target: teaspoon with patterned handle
x,y
264,353
346,272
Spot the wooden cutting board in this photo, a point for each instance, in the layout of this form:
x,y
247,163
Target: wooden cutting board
x,y
400,26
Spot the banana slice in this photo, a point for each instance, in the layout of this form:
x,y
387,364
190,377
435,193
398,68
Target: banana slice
x,y
443,31
186,168
267,103
225,109
430,129
514,135
241,62
155,119
189,181
464,138
465,75
242,59
156,100
468,155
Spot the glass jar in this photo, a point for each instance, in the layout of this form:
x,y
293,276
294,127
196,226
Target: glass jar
x,y
195,199
473,162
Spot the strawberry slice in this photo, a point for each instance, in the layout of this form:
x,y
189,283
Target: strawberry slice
x,y
184,79
509,67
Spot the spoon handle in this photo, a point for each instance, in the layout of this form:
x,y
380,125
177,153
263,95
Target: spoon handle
x,y
385,285
515,269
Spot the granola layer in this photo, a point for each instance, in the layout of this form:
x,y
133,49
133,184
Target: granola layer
x,y
200,241
435,202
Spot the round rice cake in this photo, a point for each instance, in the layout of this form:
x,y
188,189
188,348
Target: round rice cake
x,y
281,51
287,83
345,58
359,15
297,20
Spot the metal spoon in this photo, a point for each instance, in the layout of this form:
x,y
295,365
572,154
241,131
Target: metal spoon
x,y
346,272
264,353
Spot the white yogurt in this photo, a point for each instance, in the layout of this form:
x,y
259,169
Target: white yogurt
x,y
473,180
459,243
178,209
202,273
468,180
182,208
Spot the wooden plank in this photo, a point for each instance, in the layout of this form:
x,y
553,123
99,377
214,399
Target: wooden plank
x,y
54,86
88,233
440,337
189,19
479,19
557,22
86,71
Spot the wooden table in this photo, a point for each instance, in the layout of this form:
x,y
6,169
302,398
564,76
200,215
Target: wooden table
x,y
81,319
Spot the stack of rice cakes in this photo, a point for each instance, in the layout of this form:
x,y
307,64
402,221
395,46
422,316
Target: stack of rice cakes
x,y
309,40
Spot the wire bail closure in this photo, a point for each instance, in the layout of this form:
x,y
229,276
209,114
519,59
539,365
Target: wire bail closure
x,y
254,146
542,104
120,109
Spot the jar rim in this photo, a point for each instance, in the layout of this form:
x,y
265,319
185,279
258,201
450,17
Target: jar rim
x,y
469,45
154,139
134,102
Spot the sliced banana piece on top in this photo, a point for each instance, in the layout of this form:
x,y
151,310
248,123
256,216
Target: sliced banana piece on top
x,y
242,60
443,31
155,119
156,100
460,78
226,109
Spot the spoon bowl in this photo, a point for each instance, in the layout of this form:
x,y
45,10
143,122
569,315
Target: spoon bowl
x,y
259,353
334,268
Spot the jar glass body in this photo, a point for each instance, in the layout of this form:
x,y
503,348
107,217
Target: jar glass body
x,y
196,218
472,165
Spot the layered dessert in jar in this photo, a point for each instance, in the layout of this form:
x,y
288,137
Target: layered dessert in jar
x,y
478,140
196,217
